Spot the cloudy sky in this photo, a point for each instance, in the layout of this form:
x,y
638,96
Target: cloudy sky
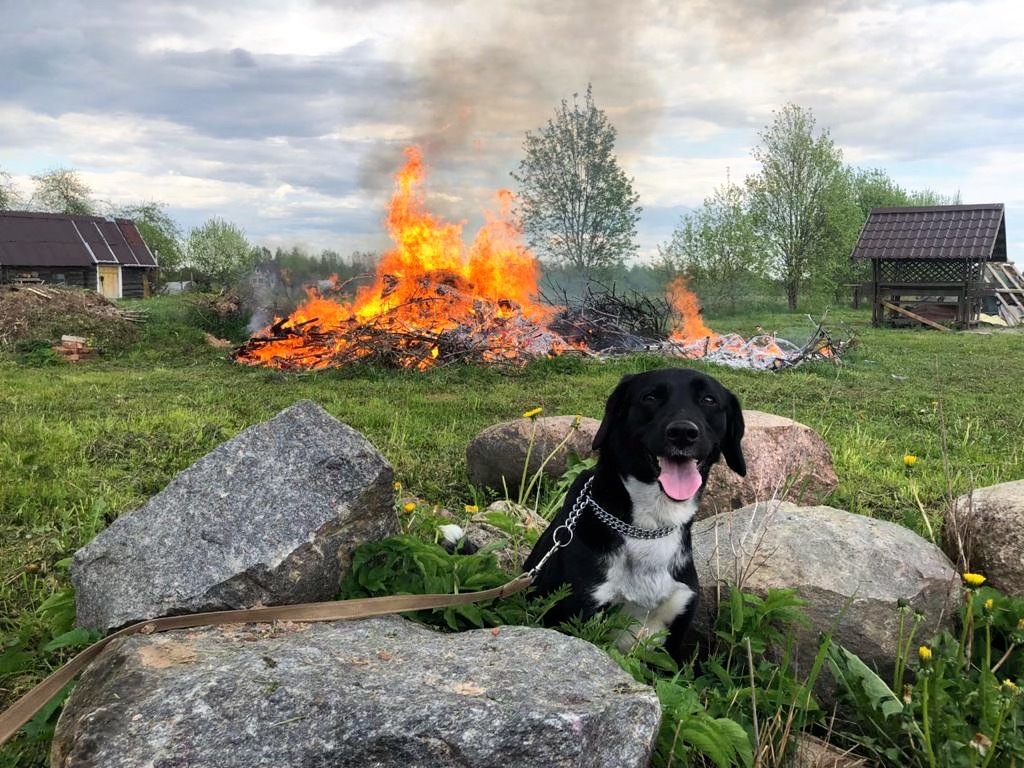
x,y
288,118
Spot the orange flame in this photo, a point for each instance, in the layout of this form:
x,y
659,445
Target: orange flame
x,y
695,340
427,284
685,302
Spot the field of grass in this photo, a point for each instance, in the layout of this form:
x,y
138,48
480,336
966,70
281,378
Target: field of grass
x,y
80,444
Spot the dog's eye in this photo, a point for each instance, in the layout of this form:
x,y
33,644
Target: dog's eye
x,y
650,397
708,400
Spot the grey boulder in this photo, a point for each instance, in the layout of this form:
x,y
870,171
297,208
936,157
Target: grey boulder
x,y
852,571
786,460
375,692
495,457
268,517
993,519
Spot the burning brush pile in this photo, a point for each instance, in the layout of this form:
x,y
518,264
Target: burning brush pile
x,y
433,300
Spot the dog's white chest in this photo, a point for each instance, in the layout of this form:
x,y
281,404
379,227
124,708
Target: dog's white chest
x,y
639,578
640,572
638,575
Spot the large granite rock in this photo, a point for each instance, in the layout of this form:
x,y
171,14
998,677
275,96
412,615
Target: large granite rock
x,y
786,460
377,692
993,520
269,517
495,457
850,569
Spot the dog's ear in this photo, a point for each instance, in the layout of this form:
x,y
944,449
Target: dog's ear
x,y
731,448
612,411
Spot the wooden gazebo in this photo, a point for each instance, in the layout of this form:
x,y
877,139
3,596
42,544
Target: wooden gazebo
x,y
929,263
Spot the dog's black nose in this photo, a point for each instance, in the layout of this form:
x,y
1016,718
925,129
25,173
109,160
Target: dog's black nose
x,y
682,432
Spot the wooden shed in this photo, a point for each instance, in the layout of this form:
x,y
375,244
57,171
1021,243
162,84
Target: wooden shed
x,y
91,252
934,263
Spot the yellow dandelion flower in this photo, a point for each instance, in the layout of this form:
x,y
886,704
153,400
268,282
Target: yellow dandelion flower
x,y
576,421
1020,623
973,579
532,413
909,460
989,603
924,653
1010,687
472,508
398,486
409,506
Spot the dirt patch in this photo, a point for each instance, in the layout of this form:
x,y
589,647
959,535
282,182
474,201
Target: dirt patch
x,y
163,654
43,315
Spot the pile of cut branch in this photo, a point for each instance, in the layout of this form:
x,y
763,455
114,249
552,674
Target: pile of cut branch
x,y
435,329
610,322
487,336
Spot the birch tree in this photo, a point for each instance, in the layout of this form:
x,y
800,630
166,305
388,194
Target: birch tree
x,y
576,205
790,198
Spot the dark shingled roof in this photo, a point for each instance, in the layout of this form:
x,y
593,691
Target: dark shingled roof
x,y
941,232
29,239
135,243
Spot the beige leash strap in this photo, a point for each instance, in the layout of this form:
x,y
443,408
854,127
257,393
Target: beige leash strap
x,y
24,708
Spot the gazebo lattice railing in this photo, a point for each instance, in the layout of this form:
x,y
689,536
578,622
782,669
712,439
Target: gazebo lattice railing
x,y
914,281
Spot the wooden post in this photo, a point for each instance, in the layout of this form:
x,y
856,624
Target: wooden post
x,y
876,298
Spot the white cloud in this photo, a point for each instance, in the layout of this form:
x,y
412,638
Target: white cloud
x,y
288,116
682,181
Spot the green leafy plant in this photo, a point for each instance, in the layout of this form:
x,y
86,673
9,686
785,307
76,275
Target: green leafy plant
x,y
406,565
749,675
55,618
963,708
530,483
689,732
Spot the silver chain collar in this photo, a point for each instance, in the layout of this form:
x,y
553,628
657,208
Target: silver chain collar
x,y
563,534
630,531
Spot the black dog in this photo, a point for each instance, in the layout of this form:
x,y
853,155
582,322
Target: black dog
x,y
662,431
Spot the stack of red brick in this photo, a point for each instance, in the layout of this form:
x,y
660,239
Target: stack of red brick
x,y
74,348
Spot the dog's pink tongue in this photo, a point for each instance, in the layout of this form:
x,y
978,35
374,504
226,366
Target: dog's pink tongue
x,y
680,480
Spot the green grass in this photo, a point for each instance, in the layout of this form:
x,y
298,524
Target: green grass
x,y
80,444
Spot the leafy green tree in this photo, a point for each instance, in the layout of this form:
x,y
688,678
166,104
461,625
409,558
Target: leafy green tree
x,y
717,244
9,196
161,233
835,271
62,190
330,261
873,188
576,204
219,250
931,197
790,197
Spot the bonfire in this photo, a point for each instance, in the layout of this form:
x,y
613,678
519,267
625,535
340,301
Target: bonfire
x,y
435,300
